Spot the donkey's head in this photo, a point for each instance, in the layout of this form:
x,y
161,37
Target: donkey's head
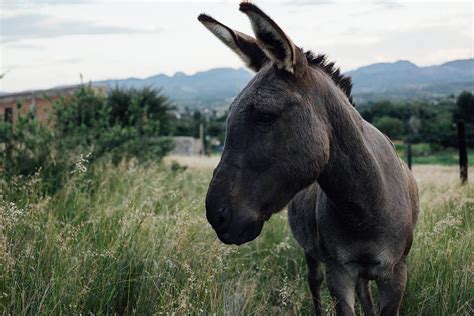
x,y
277,142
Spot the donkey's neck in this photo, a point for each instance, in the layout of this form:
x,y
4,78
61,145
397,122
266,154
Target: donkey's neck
x,y
352,178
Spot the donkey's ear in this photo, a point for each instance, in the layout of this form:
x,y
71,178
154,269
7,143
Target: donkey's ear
x,y
243,45
275,43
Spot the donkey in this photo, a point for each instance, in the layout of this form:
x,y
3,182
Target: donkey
x,y
292,133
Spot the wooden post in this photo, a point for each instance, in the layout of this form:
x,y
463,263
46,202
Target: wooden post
x,y
201,138
409,156
463,163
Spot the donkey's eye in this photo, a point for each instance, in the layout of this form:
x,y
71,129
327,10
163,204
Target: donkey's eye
x,y
265,118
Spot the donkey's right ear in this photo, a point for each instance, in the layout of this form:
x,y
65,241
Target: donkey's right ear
x,y
243,45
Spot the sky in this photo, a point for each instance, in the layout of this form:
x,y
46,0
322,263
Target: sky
x,y
47,43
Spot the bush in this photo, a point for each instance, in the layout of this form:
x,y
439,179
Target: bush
x,y
30,148
123,125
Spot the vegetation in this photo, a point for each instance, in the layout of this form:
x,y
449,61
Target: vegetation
x,y
92,222
423,122
123,125
431,154
132,239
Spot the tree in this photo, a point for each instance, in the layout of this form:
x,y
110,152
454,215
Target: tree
x,y
134,107
391,126
126,123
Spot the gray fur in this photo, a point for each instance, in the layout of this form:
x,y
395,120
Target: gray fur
x,y
294,136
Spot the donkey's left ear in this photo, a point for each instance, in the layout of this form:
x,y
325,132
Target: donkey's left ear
x,y
275,43
246,47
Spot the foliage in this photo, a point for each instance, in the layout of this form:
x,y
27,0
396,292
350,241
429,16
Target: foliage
x,y
421,121
123,125
30,148
139,109
125,239
391,126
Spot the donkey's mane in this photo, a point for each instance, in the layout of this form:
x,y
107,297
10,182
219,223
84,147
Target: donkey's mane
x,y
322,62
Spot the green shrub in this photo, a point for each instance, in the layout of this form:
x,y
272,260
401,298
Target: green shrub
x,y
125,124
29,148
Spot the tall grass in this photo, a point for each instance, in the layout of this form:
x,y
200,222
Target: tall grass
x,y
134,239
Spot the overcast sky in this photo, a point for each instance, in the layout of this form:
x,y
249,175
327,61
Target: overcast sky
x,y
45,43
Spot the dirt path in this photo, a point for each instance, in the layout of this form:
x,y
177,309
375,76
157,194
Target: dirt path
x,y
198,162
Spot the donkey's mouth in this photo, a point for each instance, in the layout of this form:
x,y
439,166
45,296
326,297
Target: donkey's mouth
x,y
249,232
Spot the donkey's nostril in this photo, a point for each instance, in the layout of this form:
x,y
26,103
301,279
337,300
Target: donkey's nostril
x,y
223,218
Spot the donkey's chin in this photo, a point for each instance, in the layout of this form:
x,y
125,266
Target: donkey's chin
x,y
241,236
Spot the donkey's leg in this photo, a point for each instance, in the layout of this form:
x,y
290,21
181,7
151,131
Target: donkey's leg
x,y
315,278
341,283
391,289
365,296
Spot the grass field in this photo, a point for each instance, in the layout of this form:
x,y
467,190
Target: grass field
x,y
444,159
133,239
423,155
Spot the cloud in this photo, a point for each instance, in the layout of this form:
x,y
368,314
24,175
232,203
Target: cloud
x,y
390,5
33,26
48,63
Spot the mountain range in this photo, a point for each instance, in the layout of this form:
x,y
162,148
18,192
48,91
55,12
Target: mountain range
x,y
212,88
405,80
401,80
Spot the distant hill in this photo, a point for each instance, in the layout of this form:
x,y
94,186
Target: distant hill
x,y
212,88
405,80
401,80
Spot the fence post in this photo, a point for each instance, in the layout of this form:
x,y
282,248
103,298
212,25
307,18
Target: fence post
x,y
409,155
463,163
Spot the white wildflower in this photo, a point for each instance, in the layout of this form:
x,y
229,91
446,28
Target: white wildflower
x,y
81,164
284,293
450,221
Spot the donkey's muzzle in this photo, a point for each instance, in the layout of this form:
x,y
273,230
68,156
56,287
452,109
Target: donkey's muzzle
x,y
233,222
240,233
232,227
220,219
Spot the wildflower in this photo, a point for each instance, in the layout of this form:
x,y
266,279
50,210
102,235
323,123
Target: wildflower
x,y
284,293
81,164
450,221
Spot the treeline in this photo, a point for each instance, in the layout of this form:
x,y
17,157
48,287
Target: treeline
x,y
422,121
